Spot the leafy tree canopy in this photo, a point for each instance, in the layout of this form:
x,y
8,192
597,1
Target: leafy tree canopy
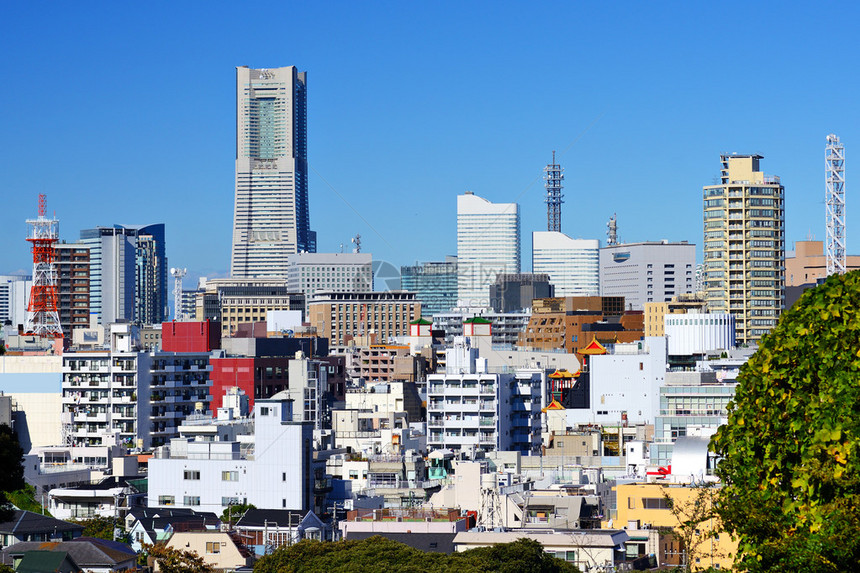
x,y
380,555
234,512
790,449
12,474
100,527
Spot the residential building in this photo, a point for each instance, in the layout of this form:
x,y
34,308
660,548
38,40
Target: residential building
x,y
744,230
14,297
434,284
29,526
149,525
572,264
514,293
647,272
221,550
309,273
264,530
507,326
128,273
270,219
655,312
342,316
72,261
80,554
807,264
488,243
108,497
272,472
34,385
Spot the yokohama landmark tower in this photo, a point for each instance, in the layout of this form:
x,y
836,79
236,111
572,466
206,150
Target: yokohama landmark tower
x,y
270,217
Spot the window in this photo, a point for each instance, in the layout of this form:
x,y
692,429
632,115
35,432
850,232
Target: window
x,y
230,476
213,547
654,503
631,503
191,474
264,411
191,500
166,500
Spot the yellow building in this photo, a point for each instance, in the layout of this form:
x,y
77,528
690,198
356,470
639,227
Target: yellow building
x,y
745,246
645,504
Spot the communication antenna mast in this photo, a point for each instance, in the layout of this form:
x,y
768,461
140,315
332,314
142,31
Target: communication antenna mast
x,y
834,180
612,231
42,317
177,273
554,177
356,240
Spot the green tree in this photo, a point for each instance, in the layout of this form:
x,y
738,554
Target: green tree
x,y
234,512
12,474
172,560
695,524
790,462
380,555
100,527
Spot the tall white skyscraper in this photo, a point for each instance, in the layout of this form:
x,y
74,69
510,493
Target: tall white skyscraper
x,y
488,243
270,218
572,264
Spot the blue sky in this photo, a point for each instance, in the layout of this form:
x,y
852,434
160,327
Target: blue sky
x,y
126,115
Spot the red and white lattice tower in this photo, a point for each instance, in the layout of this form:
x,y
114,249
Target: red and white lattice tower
x,y
42,316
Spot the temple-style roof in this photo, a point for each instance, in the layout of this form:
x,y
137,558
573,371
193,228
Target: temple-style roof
x,y
594,347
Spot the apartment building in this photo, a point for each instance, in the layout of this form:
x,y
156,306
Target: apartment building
x,y
342,316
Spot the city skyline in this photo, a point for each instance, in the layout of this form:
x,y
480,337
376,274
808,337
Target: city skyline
x,y
638,118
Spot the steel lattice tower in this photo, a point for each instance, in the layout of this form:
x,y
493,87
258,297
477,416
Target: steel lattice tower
x,y
42,316
554,177
834,179
178,315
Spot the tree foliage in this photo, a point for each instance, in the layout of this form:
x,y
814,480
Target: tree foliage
x,y
694,524
172,560
12,474
790,460
234,512
100,527
377,554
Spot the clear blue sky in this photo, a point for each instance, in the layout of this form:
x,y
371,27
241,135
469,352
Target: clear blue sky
x,y
126,115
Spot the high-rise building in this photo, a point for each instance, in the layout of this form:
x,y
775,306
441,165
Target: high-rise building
x,y
341,317
128,273
572,264
330,272
270,217
488,243
72,261
744,226
434,283
513,293
647,272
14,295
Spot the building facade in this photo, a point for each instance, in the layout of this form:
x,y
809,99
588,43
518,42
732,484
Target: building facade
x,y
128,273
572,264
488,243
270,218
14,296
514,293
744,231
434,283
72,261
647,272
808,264
340,316
309,273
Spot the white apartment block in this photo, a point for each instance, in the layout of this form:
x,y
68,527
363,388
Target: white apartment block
x,y
271,469
309,273
648,272
14,296
572,264
488,243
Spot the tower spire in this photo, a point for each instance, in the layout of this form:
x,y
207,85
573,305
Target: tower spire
x,y
554,177
42,317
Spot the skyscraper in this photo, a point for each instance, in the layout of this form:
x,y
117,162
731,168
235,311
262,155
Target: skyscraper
x,y
128,273
572,264
744,226
270,217
434,283
488,243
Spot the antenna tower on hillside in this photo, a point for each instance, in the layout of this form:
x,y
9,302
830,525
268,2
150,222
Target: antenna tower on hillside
x,y
42,317
177,273
834,179
554,177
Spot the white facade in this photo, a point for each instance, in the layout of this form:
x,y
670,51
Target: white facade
x,y
309,273
624,385
488,243
572,264
14,296
699,333
35,385
270,219
647,272
212,475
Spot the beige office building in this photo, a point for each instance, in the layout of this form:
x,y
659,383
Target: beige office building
x,y
342,316
810,264
744,231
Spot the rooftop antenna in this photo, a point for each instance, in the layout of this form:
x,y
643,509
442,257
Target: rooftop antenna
x,y
356,240
177,273
554,177
612,231
834,180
